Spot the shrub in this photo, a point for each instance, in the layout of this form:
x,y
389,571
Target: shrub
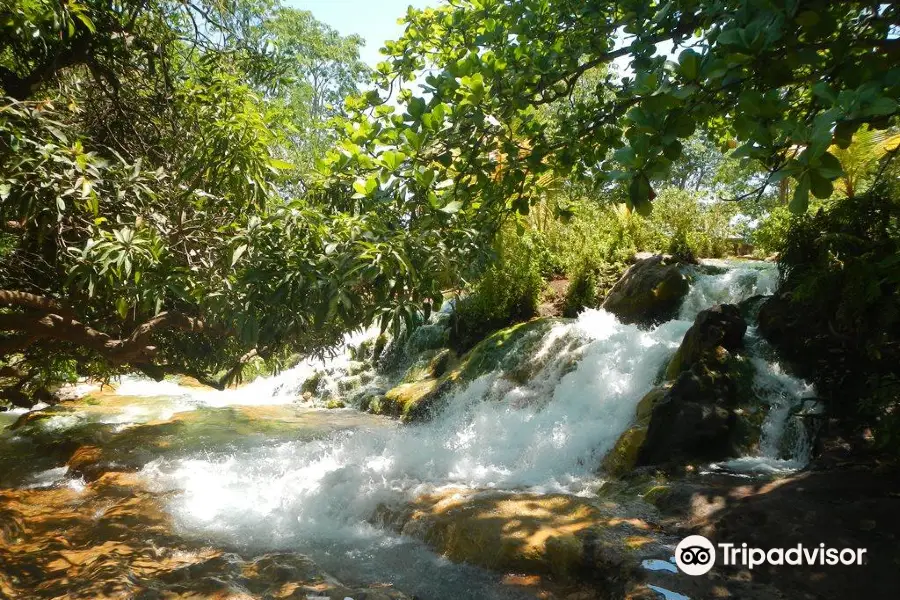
x,y
582,292
507,292
770,235
838,310
682,223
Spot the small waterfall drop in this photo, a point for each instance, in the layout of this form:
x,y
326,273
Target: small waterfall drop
x,y
541,422
547,433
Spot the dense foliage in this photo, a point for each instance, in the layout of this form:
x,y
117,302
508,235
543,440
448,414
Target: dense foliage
x,y
778,81
838,314
150,158
187,186
507,292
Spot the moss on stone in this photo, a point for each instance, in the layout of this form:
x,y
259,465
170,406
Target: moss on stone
x,y
624,455
503,349
311,385
409,401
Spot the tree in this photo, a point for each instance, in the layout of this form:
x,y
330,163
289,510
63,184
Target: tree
x,y
318,69
779,81
146,220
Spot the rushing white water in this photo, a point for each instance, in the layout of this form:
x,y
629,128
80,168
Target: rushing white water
x,y
493,434
720,281
547,434
546,431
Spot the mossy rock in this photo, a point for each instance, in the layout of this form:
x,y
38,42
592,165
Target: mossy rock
x,y
356,368
440,363
649,292
410,401
623,457
646,404
504,349
566,537
715,334
657,494
378,347
311,385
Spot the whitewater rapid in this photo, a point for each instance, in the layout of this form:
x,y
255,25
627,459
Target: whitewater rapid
x,y
545,435
543,428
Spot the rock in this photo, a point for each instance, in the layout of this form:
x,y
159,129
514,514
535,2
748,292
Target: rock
x,y
689,430
410,401
114,539
650,400
699,417
721,326
311,385
650,291
503,349
434,373
440,363
87,462
624,455
563,536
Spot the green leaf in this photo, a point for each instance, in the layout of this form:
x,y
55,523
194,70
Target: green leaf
x,y
882,106
452,208
639,194
673,150
86,21
808,19
800,202
626,156
416,108
843,133
392,159
689,64
821,188
238,252
281,165
830,166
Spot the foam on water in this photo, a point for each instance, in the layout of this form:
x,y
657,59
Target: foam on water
x,y
546,434
493,434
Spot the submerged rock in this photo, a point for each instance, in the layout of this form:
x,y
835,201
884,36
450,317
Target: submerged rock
x,y
113,539
650,291
564,536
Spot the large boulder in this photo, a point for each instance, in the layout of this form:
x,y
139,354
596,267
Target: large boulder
x,y
566,537
700,418
719,328
650,291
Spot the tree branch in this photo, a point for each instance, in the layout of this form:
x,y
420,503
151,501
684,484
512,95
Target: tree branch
x,y
33,301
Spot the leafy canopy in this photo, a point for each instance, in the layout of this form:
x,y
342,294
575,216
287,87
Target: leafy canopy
x,y
777,81
158,209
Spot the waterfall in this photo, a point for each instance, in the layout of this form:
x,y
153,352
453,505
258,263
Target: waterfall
x,y
541,422
545,434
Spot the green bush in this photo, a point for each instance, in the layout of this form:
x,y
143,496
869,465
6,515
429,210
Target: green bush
x,y
591,233
839,315
770,236
582,292
506,293
683,224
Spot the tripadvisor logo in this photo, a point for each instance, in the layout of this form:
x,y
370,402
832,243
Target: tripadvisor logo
x,y
696,555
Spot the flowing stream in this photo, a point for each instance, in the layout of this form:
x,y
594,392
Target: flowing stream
x,y
546,429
